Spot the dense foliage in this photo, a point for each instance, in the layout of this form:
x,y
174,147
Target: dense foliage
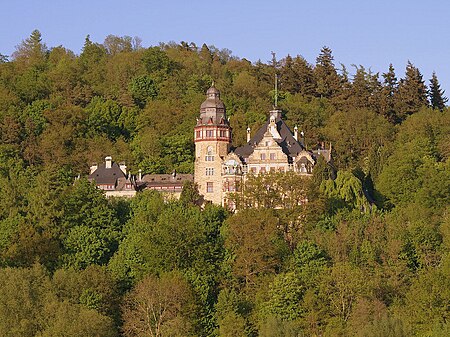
x,y
367,255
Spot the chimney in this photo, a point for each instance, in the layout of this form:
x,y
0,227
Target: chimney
x,y
296,133
140,175
123,168
108,162
248,134
93,168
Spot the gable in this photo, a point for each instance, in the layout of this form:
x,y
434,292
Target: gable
x,y
288,144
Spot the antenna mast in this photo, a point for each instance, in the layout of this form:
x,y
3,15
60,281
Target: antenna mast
x,y
274,63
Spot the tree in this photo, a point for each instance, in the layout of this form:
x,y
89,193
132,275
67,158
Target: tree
x,y
426,300
354,133
32,51
416,169
116,44
23,295
285,296
91,229
156,61
343,286
346,191
297,76
389,93
143,88
92,288
272,190
158,307
254,239
328,81
412,92
65,320
230,312
92,70
29,306
364,90
436,94
190,195
103,117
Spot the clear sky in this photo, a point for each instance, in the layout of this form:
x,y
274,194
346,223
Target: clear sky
x,y
372,33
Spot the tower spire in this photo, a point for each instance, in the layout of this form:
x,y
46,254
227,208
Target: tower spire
x,y
274,63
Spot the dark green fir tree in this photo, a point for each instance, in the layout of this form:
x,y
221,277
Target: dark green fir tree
x,y
328,81
436,94
412,92
388,94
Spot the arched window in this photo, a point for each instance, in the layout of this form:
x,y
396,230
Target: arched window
x,y
303,168
209,154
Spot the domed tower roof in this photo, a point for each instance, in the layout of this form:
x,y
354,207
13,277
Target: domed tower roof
x,y
212,110
213,92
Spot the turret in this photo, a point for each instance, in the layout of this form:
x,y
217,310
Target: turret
x,y
212,138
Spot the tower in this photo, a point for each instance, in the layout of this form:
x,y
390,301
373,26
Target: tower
x,y
212,138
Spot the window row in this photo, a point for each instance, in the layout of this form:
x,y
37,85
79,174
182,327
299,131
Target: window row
x,y
264,170
272,156
211,134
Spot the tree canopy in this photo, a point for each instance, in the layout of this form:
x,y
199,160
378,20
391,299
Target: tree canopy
x,y
360,248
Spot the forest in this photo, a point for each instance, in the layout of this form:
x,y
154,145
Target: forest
x,y
367,255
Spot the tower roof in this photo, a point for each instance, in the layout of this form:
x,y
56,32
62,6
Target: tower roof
x,y
212,110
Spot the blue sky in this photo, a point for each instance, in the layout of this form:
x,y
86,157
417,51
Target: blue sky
x,y
369,33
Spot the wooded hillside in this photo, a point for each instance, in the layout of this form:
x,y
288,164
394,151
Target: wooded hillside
x,y
368,255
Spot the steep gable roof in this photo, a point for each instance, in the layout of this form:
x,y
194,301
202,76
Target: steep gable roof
x,y
287,142
109,176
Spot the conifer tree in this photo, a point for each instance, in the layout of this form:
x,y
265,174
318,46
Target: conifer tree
x,y
32,51
297,76
436,94
412,92
365,90
328,81
388,94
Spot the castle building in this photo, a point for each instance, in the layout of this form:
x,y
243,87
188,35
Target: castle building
x,y
220,169
112,178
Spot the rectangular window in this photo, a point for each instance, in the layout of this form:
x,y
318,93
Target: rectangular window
x,y
263,156
209,158
209,187
209,171
262,170
273,156
197,134
209,133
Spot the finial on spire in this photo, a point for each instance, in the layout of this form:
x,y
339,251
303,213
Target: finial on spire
x,y
274,63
